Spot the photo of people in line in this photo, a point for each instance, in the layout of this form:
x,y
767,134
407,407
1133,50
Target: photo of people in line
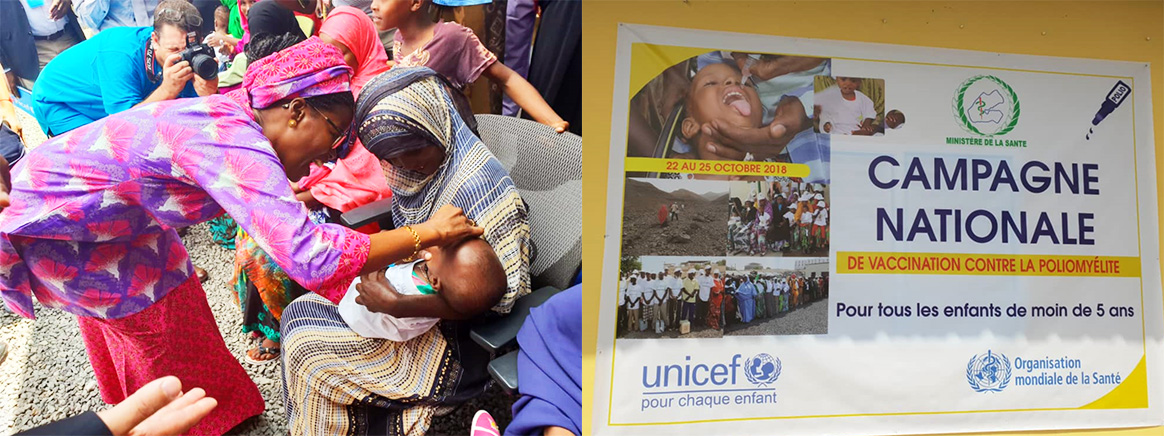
x,y
674,217
776,296
708,297
852,106
779,218
725,105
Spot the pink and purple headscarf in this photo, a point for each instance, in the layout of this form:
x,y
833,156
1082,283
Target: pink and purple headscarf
x,y
307,69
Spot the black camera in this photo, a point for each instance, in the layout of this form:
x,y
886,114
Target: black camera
x,y
200,56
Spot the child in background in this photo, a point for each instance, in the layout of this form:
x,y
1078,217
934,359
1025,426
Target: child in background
x,y
820,226
843,110
806,220
455,52
221,52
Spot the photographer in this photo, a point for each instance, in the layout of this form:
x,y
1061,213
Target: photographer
x,y
123,67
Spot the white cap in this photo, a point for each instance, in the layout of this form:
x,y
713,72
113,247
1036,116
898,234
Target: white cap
x,y
820,203
818,196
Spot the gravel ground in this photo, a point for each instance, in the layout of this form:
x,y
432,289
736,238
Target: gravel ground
x,y
812,319
47,375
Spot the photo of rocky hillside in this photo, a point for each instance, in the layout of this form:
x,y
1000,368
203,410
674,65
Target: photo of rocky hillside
x,y
675,217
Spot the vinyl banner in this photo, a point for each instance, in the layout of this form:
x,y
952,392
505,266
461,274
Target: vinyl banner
x,y
827,237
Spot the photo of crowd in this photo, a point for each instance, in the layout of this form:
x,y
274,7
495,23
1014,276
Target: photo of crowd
x,y
725,105
708,297
673,217
779,218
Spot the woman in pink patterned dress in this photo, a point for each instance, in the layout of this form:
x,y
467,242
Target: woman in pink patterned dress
x,y
91,224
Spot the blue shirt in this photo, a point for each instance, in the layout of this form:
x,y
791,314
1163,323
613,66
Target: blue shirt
x,y
100,15
101,76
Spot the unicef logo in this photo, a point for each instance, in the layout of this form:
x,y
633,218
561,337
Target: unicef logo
x,y
987,106
989,372
762,369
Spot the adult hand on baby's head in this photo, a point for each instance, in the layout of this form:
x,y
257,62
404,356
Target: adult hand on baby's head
x,y
376,293
449,224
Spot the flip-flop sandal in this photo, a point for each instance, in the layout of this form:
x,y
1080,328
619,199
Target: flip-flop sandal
x,y
484,425
262,351
203,276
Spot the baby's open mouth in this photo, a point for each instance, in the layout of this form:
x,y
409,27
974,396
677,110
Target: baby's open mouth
x,y
734,97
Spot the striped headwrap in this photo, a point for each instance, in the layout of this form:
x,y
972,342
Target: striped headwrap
x,y
406,109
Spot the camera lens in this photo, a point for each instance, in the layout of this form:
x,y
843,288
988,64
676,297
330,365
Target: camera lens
x,y
204,66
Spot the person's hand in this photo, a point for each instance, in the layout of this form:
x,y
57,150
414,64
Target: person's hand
x,y
14,124
8,114
730,142
450,225
308,199
5,183
175,73
10,77
216,39
158,408
864,130
376,293
205,87
560,126
59,9
768,67
763,69
734,142
390,63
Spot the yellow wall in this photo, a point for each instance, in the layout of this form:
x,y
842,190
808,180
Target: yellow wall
x,y
1127,31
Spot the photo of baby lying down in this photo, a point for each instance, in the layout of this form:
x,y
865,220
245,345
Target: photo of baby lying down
x,y
731,106
454,282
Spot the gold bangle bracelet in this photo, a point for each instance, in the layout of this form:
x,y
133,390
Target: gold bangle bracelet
x,y
416,247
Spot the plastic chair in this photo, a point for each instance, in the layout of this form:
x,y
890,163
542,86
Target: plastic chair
x,y
546,168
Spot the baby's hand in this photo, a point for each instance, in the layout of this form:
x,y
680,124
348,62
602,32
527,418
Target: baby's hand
x,y
376,293
560,126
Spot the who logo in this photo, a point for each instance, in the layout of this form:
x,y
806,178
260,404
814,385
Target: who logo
x,y
988,372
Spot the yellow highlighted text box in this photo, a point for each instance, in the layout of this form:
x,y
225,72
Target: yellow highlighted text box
x,y
719,167
851,262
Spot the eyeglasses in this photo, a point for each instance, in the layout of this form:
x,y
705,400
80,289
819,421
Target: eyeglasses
x,y
341,135
342,141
